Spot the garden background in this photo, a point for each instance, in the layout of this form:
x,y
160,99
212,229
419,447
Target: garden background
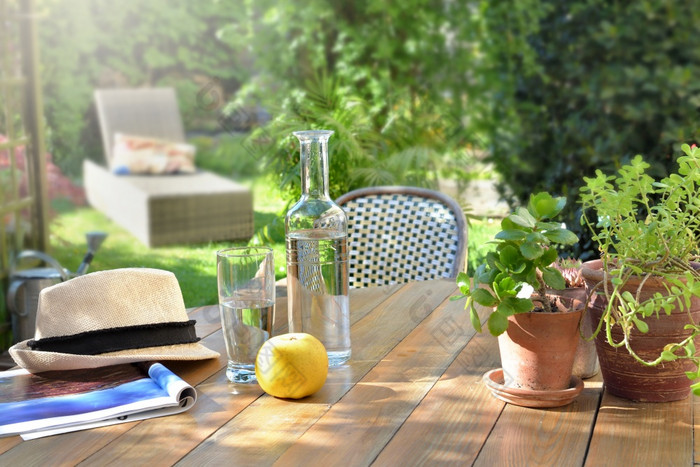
x,y
534,94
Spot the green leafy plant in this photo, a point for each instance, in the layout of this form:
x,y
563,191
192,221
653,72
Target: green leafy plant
x,y
385,78
649,229
359,153
524,256
571,271
584,85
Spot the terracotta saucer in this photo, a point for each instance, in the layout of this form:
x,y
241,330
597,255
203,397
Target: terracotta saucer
x,y
529,397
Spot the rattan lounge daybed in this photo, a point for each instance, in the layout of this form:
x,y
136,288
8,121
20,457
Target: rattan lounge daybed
x,y
162,209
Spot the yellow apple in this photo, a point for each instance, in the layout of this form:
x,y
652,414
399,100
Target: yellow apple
x,y
291,366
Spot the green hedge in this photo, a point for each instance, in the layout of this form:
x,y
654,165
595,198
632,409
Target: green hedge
x,y
593,84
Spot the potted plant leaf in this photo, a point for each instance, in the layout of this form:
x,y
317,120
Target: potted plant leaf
x,y
537,332
644,292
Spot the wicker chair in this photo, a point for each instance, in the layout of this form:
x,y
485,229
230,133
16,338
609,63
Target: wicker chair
x,y
162,209
398,234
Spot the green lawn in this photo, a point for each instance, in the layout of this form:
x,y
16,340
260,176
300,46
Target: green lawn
x,y
481,232
195,265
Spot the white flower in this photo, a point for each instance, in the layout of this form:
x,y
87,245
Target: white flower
x,y
525,291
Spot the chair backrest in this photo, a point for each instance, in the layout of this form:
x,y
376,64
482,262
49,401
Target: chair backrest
x,y
399,234
150,112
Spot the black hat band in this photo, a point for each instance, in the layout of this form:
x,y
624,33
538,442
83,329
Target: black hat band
x,y
122,338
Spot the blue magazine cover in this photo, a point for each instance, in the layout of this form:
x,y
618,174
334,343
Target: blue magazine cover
x,y
44,404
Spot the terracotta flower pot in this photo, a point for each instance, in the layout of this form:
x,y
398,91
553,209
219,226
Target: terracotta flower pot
x,y
622,374
586,363
537,351
586,358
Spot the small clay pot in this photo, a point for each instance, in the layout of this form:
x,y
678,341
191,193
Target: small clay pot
x,y
538,349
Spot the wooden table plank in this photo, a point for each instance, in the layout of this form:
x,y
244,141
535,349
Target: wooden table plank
x,y
555,436
188,428
375,408
282,422
65,449
636,434
425,439
411,394
398,316
363,301
8,443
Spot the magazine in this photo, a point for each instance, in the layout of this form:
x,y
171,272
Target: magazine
x,y
49,403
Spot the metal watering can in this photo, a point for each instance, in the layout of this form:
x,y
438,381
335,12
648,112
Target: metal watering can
x,y
26,284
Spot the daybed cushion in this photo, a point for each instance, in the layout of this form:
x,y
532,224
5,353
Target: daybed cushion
x,y
142,155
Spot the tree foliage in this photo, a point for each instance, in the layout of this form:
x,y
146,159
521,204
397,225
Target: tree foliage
x,y
389,78
552,89
86,44
591,84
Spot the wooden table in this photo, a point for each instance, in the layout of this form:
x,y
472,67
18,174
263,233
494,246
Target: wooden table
x,y
412,394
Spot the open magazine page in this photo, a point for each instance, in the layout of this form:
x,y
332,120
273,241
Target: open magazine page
x,y
58,402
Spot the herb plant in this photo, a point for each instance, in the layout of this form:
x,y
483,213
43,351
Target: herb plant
x,y
647,228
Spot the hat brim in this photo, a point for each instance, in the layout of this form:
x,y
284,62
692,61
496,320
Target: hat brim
x,y
36,361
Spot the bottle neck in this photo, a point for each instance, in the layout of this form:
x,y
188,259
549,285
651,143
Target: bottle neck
x,y
314,167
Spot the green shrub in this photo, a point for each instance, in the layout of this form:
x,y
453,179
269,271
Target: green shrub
x,y
591,84
359,154
388,79
226,154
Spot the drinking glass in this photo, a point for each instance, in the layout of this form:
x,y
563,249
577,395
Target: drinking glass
x,y
246,282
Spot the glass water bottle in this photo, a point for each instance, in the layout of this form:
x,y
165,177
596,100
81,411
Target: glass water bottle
x,y
317,256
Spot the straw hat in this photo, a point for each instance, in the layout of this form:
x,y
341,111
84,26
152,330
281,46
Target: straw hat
x,y
110,317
